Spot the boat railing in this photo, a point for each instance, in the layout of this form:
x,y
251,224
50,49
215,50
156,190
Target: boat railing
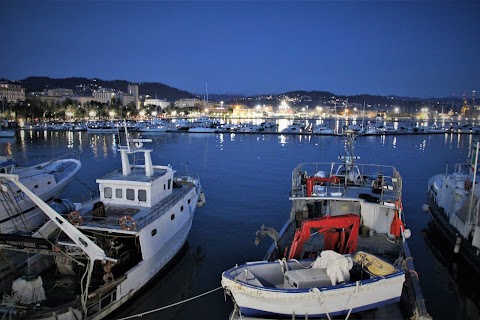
x,y
167,204
463,168
363,176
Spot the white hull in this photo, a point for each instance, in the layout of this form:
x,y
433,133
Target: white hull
x,y
141,274
257,301
153,130
139,223
104,130
18,212
202,130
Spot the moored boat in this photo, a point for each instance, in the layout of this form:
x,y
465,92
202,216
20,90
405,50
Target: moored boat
x,y
347,207
453,200
342,285
102,127
47,180
89,262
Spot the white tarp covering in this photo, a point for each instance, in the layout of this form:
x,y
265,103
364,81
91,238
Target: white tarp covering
x,y
337,266
28,291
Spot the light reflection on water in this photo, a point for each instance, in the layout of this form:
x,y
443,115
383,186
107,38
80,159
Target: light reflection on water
x,y
246,179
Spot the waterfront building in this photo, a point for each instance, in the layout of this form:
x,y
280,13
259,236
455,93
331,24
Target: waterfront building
x,y
104,95
133,90
11,92
60,92
126,98
188,103
161,103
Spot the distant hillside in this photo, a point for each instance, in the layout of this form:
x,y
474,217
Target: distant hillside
x,y
302,97
84,85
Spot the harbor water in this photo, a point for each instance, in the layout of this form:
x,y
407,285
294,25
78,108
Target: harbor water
x,y
246,179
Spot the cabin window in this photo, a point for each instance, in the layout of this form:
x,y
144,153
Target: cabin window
x,y
119,193
181,208
164,187
154,232
169,183
188,201
107,192
172,217
130,194
142,195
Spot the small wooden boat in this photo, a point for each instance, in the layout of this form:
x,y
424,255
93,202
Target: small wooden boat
x,y
323,287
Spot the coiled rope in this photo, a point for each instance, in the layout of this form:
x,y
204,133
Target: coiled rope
x,y
170,305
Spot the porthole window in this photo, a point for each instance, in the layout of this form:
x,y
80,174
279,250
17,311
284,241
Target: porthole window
x,y
130,194
188,201
154,232
181,208
142,195
172,217
107,192
164,187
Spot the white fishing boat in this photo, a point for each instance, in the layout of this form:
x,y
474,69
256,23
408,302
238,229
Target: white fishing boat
x,y
330,285
371,130
102,127
47,180
436,129
296,127
347,207
454,200
322,129
152,126
204,125
88,263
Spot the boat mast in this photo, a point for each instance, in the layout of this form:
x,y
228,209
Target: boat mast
x,y
349,158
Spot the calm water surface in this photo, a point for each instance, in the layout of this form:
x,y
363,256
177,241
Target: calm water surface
x,y
246,180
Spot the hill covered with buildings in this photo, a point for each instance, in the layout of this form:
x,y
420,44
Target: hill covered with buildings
x,y
35,96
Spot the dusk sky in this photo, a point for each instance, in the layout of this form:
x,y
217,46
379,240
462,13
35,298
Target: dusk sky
x,y
407,48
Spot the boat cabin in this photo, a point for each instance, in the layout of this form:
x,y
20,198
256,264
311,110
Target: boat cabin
x,y
136,185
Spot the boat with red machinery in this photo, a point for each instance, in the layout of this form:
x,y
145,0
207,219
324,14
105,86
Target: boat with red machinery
x,y
342,251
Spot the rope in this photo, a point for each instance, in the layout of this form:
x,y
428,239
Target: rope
x,y
322,302
354,297
81,182
171,305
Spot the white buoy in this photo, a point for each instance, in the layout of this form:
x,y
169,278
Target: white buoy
x,y
426,207
456,249
201,200
407,233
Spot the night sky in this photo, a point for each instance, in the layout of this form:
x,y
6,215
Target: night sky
x,y
407,48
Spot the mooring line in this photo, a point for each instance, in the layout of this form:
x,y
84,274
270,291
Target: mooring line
x,y
171,305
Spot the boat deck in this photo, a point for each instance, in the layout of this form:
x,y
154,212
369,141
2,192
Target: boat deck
x,y
365,191
141,215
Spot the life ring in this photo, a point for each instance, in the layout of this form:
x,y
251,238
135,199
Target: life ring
x,y
127,223
75,218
